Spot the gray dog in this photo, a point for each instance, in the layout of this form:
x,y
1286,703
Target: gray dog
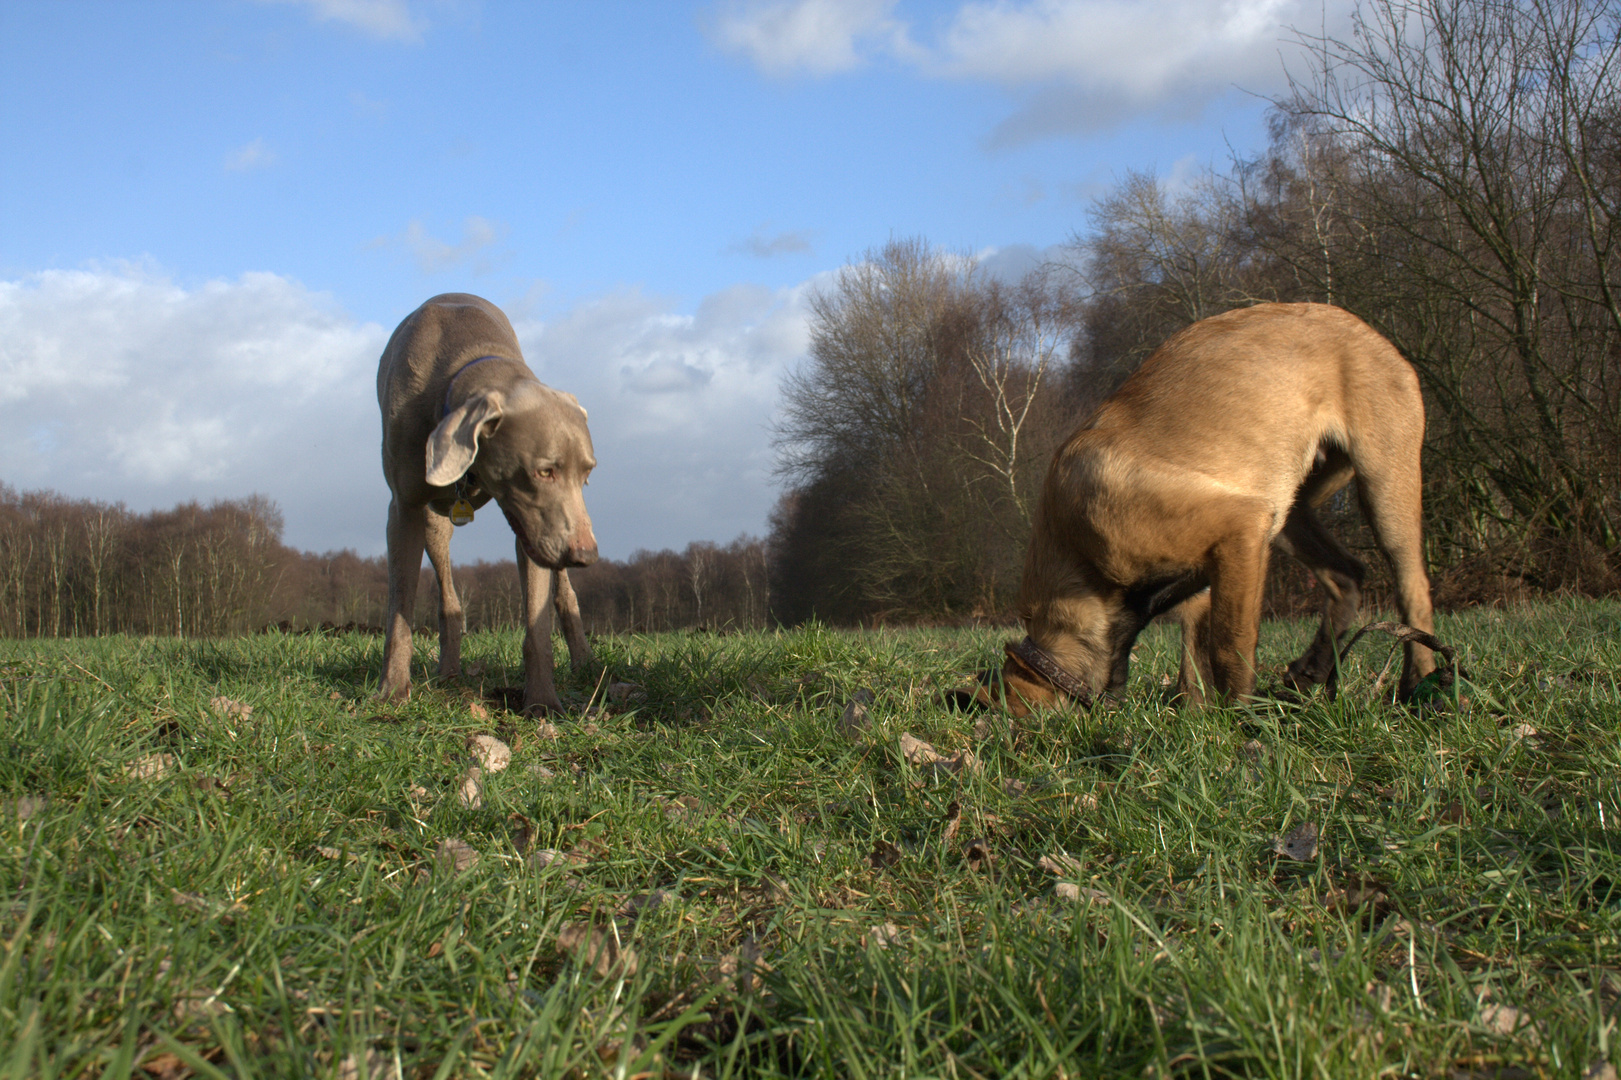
x,y
465,421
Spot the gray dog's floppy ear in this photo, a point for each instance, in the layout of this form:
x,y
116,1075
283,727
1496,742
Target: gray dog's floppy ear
x,y
454,443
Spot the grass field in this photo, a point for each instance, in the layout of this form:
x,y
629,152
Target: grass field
x,y
711,873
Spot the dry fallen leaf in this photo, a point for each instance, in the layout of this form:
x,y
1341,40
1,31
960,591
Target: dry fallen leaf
x,y
854,720
471,788
1506,1020
1062,865
746,963
624,693
636,906
926,757
455,855
327,852
884,854
165,1066
1300,844
150,767
231,710
1600,1070
26,806
600,949
547,856
1360,890
953,821
979,854
377,1065
489,753
1068,890
883,936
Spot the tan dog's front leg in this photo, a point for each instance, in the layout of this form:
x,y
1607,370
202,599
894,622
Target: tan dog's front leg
x,y
568,616
539,687
406,526
1237,578
451,621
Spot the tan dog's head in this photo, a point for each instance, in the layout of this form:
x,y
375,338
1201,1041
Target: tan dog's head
x,y
533,455
1073,635
1016,687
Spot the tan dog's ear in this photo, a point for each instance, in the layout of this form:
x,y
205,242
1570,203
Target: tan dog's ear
x,y
454,443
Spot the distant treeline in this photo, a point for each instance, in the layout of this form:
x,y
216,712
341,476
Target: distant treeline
x,y
1451,174
74,567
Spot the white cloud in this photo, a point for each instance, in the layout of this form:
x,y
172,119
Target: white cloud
x,y
432,254
117,383
1076,65
782,37
387,20
763,246
255,155
680,404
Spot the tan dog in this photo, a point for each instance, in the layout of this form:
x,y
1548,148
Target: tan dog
x,y
465,419
1219,447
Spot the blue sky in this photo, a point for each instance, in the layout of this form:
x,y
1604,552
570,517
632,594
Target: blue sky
x,y
215,213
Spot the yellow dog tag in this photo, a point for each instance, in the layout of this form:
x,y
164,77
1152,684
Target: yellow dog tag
x,y
461,512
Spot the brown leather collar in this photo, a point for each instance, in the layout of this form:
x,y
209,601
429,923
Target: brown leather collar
x,y
1041,662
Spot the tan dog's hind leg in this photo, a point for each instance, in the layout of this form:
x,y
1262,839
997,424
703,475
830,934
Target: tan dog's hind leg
x,y
405,538
539,687
451,621
1341,575
1195,678
568,616
1392,504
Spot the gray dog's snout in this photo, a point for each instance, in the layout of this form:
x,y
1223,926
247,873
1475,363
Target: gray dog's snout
x,y
577,556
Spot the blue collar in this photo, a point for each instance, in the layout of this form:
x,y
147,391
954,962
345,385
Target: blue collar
x,y
444,407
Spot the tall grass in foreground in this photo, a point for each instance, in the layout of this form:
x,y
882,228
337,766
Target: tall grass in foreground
x,y
705,874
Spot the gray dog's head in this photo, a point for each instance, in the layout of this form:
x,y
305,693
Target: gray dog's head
x,y
530,450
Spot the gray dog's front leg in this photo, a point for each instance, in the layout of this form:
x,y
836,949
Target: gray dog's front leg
x,y
568,616
406,529
539,688
450,605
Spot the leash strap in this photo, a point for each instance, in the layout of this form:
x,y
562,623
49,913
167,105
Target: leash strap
x,y
1042,663
1446,673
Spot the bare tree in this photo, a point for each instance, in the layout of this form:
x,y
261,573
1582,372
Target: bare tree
x,y
1480,139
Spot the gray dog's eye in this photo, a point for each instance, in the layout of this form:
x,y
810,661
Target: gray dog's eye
x,y
545,474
